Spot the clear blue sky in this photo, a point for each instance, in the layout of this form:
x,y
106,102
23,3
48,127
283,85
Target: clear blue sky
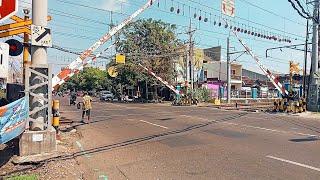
x,y
79,27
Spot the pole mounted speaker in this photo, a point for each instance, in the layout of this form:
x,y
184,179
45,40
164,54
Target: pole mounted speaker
x,y
15,47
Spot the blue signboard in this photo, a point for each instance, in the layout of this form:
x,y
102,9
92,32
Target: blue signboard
x,y
13,118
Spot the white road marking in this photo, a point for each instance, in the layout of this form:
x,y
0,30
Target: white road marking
x,y
295,163
272,130
154,124
187,116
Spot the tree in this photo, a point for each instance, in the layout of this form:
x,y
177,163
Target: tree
x,y
88,79
151,43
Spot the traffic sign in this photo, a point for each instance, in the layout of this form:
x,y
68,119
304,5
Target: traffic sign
x,y
41,36
228,8
15,47
8,8
120,59
112,71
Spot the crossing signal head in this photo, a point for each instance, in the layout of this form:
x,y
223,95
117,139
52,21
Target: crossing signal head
x,y
15,47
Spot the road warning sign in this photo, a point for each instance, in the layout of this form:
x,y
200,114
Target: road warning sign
x,y
40,36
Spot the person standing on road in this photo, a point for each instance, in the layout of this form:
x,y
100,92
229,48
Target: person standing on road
x,y
86,106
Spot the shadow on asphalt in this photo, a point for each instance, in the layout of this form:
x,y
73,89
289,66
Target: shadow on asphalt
x,y
165,119
79,124
308,139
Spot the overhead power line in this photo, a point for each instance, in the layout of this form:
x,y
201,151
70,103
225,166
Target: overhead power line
x,y
303,14
302,8
100,9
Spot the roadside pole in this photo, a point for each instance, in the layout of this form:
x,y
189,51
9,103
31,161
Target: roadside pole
x,y
39,18
40,137
190,64
228,72
190,57
305,61
313,90
25,46
290,74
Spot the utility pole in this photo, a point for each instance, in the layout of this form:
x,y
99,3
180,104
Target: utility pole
x,y
313,94
228,72
190,58
305,61
38,89
39,97
315,40
39,18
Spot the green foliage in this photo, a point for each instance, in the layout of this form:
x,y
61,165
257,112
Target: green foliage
x,y
147,42
202,94
137,41
23,177
87,80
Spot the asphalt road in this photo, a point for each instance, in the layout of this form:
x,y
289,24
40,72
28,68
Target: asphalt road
x,y
158,141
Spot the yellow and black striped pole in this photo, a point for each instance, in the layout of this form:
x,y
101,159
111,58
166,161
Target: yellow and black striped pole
x,y
56,114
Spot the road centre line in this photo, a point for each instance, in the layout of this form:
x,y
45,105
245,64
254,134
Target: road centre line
x,y
154,124
294,163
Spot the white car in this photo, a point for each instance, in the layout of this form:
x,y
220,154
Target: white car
x,y
106,96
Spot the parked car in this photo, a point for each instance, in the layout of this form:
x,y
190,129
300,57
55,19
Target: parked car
x,y
106,96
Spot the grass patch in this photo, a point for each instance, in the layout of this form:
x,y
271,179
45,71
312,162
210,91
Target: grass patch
x,y
23,177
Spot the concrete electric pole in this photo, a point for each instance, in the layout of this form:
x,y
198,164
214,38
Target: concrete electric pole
x,y
190,73
40,137
39,18
313,94
228,72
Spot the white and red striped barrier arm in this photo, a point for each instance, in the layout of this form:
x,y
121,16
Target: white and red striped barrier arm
x,y
70,70
161,80
265,70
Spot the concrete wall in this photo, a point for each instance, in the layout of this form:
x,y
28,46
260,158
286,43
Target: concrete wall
x,y
253,75
213,68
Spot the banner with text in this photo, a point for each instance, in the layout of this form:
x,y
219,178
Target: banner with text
x,y
13,118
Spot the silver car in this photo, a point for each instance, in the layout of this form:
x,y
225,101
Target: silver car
x,y
106,96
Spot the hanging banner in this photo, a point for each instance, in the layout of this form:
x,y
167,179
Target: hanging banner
x,y
13,118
